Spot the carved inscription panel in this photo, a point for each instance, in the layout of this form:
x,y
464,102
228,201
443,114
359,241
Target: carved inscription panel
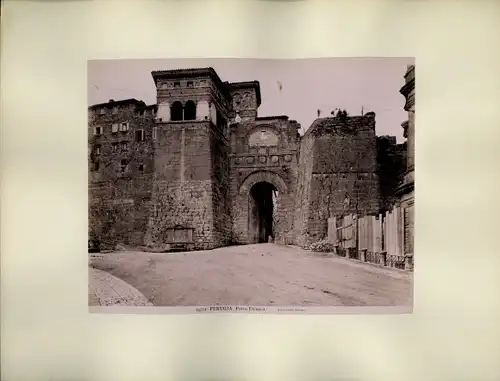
x,y
272,160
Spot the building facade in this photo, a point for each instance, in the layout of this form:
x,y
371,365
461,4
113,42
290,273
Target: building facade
x,y
406,190
201,169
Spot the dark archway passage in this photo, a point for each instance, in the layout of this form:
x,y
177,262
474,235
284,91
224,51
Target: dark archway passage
x,y
176,112
190,110
262,205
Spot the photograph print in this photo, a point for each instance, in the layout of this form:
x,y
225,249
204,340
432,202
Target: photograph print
x,y
251,185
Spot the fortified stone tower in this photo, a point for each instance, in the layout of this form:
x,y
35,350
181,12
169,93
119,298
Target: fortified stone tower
x,y
338,174
190,191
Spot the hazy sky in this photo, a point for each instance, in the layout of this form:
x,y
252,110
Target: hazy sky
x,y
307,85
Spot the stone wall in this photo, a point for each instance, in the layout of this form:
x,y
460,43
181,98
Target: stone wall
x,y
183,186
194,177
184,205
272,159
120,177
303,189
338,173
391,159
245,100
219,152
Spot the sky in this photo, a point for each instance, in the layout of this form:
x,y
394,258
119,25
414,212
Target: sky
x,y
353,84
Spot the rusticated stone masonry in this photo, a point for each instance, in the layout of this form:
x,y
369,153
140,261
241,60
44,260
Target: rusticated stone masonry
x,y
339,174
121,167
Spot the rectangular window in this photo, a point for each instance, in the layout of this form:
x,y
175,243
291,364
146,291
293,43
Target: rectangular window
x,y
124,126
115,110
114,147
97,150
114,128
155,132
139,135
97,131
177,84
141,167
102,111
124,146
189,83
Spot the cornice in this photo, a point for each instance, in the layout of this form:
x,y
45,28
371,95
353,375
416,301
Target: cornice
x,y
278,117
410,72
405,125
122,102
404,188
407,87
190,73
410,101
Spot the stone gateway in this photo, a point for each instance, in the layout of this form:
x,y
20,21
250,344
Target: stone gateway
x,y
200,169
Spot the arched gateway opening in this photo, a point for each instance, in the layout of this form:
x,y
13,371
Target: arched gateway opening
x,y
262,210
261,207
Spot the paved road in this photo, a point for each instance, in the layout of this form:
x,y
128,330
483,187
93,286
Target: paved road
x,y
264,274
107,290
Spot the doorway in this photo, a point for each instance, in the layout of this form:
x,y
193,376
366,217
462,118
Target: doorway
x,y
262,208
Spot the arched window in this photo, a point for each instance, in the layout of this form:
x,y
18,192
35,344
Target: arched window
x,y
190,110
176,111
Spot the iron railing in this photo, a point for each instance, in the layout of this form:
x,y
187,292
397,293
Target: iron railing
x,y
396,261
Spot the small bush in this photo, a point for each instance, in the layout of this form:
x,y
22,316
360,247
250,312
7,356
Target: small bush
x,y
322,246
94,246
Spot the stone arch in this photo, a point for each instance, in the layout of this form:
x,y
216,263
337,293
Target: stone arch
x,y
190,110
272,138
176,111
269,127
263,176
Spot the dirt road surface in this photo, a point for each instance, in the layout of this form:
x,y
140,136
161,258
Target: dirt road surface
x,y
260,275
